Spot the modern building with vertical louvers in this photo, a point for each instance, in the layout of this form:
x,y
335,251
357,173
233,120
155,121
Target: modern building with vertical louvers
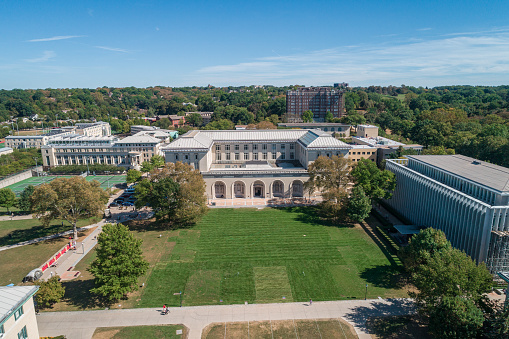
x,y
318,100
466,198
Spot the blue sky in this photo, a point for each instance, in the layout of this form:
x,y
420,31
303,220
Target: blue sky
x,y
91,44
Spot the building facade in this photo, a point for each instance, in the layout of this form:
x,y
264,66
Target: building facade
x,y
342,130
96,129
129,152
385,147
253,163
318,100
367,131
466,198
17,312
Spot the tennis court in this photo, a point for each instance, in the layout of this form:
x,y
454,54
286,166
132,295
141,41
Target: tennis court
x,y
105,180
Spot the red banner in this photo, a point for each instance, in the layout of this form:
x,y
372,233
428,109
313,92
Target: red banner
x,y
53,259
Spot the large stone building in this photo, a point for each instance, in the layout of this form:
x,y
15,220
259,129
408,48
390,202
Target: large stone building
x,y
129,152
466,198
17,312
318,100
95,129
253,163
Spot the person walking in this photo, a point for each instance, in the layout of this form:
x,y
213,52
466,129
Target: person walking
x,y
164,309
310,302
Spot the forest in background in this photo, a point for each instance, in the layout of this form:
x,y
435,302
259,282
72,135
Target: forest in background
x,y
472,120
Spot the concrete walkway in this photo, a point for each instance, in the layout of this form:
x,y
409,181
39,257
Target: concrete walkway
x,y
81,325
16,217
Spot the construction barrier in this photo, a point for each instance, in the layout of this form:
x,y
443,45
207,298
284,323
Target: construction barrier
x,y
54,259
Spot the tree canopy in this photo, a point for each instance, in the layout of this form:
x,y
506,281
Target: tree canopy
x,y
7,198
50,292
175,192
24,202
69,199
376,183
119,263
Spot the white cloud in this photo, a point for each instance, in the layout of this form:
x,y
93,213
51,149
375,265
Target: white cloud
x,y
60,37
46,55
419,62
113,49
424,29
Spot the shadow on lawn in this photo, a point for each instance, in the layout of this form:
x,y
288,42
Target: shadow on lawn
x,y
359,315
17,236
311,215
385,276
77,293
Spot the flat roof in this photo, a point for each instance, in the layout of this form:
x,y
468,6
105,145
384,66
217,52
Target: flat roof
x,y
313,124
407,229
379,141
481,172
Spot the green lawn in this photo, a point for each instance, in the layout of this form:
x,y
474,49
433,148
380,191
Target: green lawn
x,y
136,332
269,255
13,232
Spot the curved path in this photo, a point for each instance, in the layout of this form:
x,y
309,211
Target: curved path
x,y
81,325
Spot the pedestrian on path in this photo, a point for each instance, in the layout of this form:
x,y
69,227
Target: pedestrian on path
x,y
164,309
310,302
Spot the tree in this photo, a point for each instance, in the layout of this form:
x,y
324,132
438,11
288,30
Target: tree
x,y
423,246
330,176
329,117
132,176
220,124
50,292
177,192
7,198
438,150
456,317
70,199
359,205
194,119
376,183
119,263
155,162
307,116
24,202
265,125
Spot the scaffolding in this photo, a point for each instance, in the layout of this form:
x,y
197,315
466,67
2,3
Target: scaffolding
x,y
498,252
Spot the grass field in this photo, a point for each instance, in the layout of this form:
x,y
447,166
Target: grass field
x,y
319,328
136,332
15,231
269,255
105,180
259,256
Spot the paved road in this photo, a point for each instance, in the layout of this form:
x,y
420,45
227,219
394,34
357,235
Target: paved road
x,y
81,325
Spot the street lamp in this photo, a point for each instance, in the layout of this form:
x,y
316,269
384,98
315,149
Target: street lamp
x,y
366,294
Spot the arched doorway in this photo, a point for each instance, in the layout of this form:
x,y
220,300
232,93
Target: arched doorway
x,y
219,189
259,189
239,189
278,188
297,188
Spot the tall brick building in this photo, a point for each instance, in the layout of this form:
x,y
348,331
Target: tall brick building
x,y
318,100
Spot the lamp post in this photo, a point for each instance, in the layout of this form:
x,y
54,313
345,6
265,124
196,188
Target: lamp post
x,y
366,294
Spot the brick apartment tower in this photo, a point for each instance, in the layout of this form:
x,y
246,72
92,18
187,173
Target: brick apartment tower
x,y
318,100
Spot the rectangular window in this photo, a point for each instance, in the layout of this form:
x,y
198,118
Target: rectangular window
x,y
292,146
196,157
23,333
283,146
255,156
283,156
186,156
292,156
218,148
237,156
264,147
264,155
246,156
226,147
228,156
18,313
246,147
218,156
274,147
274,156
255,147
236,147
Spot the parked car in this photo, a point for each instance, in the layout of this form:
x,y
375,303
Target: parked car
x,y
113,204
127,203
